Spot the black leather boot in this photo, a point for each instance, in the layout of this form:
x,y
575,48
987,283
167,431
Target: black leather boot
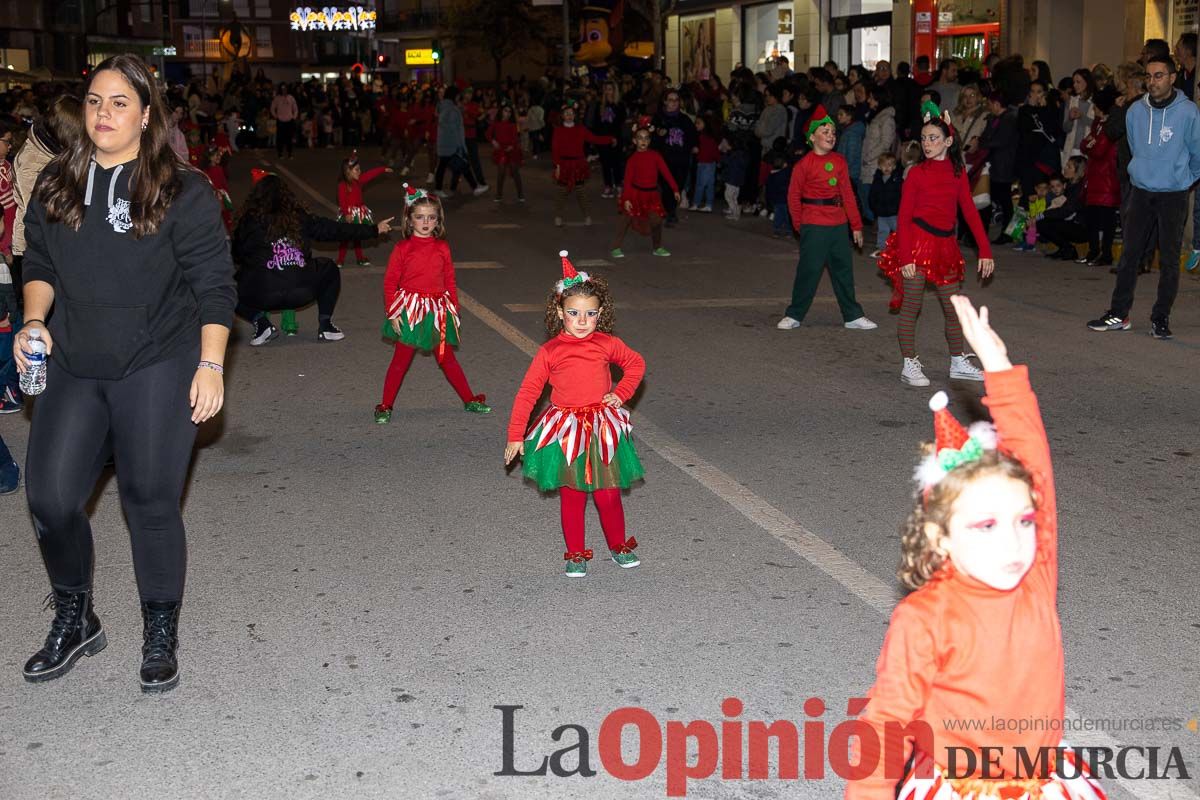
x,y
160,638
75,632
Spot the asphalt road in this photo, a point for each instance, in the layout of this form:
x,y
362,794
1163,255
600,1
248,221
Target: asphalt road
x,y
362,597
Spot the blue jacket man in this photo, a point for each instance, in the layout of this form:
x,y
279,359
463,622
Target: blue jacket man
x,y
1163,132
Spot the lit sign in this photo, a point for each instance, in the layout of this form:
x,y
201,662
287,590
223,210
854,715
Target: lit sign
x,y
418,57
165,51
354,18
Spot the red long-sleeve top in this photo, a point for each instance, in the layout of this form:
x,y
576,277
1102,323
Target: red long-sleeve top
x,y
811,179
505,133
643,170
350,195
957,649
933,193
420,264
567,143
398,120
578,373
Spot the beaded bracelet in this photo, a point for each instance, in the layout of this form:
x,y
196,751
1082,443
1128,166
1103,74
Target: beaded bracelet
x,y
214,366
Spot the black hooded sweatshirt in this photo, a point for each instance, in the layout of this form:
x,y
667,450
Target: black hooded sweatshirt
x,y
121,303
281,266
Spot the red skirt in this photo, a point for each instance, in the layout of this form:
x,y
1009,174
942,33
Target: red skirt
x,y
573,171
642,204
502,157
937,258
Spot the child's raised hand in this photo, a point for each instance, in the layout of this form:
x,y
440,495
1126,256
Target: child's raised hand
x,y
986,343
512,449
612,401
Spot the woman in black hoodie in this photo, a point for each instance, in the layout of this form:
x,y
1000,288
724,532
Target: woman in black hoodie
x,y
272,247
126,244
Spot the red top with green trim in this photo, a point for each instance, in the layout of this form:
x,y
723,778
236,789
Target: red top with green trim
x,y
420,264
578,373
823,177
959,654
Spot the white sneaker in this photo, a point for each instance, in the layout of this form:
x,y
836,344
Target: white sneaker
x,y
787,324
877,254
442,194
558,222
912,374
587,220
861,324
962,369
429,178
481,189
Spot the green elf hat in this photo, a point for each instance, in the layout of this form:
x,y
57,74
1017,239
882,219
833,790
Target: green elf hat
x,y
819,117
929,110
570,275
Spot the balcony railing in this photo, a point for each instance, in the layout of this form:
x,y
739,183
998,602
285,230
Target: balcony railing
x,y
207,48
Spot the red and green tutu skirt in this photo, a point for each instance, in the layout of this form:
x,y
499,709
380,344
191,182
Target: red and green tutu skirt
x,y
937,258
585,448
642,204
572,171
925,780
359,215
427,322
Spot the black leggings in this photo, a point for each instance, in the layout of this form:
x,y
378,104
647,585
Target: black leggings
x,y
256,297
459,167
611,166
147,419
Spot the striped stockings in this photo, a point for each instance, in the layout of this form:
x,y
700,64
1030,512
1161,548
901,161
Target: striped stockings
x,y
560,200
914,293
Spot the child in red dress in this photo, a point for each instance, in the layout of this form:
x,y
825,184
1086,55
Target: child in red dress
x,y
506,151
582,444
979,637
640,201
570,162
351,207
421,297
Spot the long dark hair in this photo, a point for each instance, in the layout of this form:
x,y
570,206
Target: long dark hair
x,y
954,154
155,179
277,208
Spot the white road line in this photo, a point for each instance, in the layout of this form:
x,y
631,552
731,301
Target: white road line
x,y
592,263
700,302
803,542
478,265
499,226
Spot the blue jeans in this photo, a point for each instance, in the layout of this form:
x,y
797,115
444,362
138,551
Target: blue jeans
x,y
706,179
8,364
1196,220
886,225
781,221
864,206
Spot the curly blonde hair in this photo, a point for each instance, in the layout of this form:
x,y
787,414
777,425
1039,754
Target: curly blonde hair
x,y
594,286
921,554
431,200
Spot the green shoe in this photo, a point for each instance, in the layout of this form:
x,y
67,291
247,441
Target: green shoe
x,y
662,251
383,414
624,555
364,263
617,253
476,405
577,563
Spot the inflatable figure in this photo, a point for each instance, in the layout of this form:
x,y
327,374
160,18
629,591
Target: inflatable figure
x,y
602,40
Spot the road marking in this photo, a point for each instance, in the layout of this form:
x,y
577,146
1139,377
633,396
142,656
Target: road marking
x,y
592,263
698,302
499,226
806,544
478,265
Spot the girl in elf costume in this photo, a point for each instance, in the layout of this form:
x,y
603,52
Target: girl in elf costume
x,y
582,445
350,201
979,637
924,248
506,151
213,165
640,202
570,162
421,297
821,199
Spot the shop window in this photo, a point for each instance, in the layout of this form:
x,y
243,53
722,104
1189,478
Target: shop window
x,y
263,47
766,35
847,8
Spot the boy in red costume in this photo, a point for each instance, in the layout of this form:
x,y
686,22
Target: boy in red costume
x,y
825,213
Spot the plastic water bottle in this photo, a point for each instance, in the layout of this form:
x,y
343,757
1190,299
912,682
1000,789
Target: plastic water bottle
x,y
33,380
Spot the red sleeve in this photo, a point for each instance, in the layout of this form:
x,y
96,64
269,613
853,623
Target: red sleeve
x,y
904,222
343,191
371,175
1018,421
664,172
849,201
627,181
904,674
531,389
633,368
491,133
597,140
796,194
966,203
393,275
448,273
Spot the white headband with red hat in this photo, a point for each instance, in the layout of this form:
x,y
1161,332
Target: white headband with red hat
x,y
953,445
570,275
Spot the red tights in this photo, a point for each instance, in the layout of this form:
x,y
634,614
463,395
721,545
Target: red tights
x,y
342,252
402,359
612,516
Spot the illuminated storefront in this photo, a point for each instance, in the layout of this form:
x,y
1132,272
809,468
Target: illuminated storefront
x,y
968,30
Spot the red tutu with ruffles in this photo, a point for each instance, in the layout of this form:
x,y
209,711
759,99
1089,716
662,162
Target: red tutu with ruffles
x,y
642,203
502,157
937,258
572,172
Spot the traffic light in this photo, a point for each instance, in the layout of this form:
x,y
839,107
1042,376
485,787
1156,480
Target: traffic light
x,y
381,59
436,47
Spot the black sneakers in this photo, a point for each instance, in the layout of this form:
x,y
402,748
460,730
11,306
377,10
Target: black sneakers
x,y
330,332
1159,329
1110,322
264,331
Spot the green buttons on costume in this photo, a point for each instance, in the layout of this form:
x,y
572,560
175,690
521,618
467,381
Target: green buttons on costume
x,y
829,166
833,181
